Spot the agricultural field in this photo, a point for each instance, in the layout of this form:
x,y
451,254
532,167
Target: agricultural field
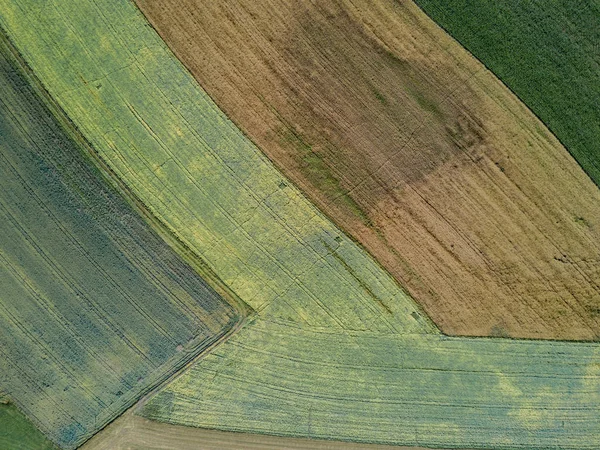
x,y
95,309
17,433
414,389
414,149
546,51
195,171
260,323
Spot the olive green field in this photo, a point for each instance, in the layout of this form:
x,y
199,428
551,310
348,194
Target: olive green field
x,y
17,433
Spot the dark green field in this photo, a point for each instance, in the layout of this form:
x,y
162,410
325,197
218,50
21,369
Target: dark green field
x,y
17,433
547,52
95,309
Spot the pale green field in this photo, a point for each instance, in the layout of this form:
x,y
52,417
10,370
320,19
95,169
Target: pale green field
x,y
388,388
337,349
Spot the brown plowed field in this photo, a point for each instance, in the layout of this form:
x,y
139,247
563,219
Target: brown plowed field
x,y
413,148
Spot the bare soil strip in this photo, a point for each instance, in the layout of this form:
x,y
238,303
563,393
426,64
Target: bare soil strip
x,y
413,148
133,432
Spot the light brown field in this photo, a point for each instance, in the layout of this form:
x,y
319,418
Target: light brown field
x,y
131,432
413,148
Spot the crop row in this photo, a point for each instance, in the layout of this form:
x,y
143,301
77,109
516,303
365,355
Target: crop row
x,y
163,136
337,349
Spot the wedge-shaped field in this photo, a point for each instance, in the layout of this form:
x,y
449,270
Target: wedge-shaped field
x,y
413,148
546,51
163,136
18,433
95,309
424,390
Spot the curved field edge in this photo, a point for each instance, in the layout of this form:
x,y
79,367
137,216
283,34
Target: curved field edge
x,y
411,146
163,136
132,431
544,51
421,390
96,309
348,342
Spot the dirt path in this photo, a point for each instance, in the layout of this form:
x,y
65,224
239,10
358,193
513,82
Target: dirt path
x,y
413,148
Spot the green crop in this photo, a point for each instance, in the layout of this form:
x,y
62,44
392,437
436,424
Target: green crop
x,y
17,433
95,309
547,52
163,136
421,390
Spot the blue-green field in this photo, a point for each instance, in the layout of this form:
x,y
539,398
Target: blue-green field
x,y
95,309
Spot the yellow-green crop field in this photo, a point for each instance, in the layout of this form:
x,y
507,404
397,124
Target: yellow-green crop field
x,y
95,309
336,350
413,389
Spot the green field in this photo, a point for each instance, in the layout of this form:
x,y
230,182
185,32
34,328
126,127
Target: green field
x,y
421,390
546,51
17,433
336,349
95,309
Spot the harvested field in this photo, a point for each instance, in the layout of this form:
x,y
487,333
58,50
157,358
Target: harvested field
x,y
17,433
413,148
131,432
546,51
95,308
423,390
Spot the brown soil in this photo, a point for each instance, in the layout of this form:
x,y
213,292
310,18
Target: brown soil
x,y
413,148
137,433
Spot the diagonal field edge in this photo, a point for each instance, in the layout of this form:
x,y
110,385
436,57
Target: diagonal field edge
x,y
163,136
96,309
166,124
